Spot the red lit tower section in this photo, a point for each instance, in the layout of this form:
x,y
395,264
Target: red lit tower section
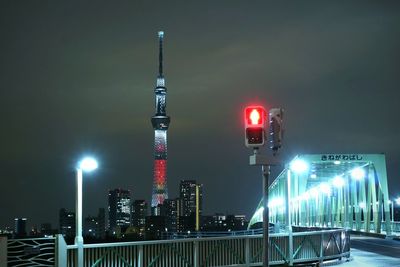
x,y
160,122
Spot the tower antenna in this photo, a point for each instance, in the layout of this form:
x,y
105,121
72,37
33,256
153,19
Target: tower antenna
x,y
160,56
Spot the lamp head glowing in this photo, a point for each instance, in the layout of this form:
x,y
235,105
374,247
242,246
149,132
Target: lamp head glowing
x,y
88,164
358,173
299,166
338,181
325,188
314,192
397,200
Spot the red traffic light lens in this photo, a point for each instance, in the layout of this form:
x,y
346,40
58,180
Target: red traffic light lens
x,y
254,116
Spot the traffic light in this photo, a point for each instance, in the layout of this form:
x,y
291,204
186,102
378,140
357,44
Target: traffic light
x,y
275,128
255,117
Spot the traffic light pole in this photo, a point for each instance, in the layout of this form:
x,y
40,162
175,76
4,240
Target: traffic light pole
x,y
255,137
266,169
265,162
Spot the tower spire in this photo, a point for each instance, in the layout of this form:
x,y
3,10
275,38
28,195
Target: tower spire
x,y
160,56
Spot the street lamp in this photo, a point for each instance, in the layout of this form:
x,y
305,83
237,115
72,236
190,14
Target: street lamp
x,y
338,181
362,205
87,164
391,203
299,166
325,188
358,174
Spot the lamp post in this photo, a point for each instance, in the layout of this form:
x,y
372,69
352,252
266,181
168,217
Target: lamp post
x,y
87,164
298,167
391,203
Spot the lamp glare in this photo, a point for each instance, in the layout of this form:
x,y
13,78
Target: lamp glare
x,y
299,166
358,173
88,164
338,182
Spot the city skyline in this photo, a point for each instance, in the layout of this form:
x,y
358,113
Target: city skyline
x,y
78,79
181,213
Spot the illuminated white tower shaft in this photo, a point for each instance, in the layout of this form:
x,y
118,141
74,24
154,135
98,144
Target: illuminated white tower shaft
x,y
160,122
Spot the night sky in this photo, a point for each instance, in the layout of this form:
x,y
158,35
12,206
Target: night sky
x,y
78,78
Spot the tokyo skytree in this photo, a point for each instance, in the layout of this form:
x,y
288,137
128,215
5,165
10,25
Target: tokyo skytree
x,y
160,122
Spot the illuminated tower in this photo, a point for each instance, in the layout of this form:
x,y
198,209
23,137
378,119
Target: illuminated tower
x,y
160,123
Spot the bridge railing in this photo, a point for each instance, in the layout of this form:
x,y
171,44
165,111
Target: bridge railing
x,y
28,251
395,226
216,251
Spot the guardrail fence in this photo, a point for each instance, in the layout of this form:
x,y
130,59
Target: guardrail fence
x,y
217,251
241,250
28,252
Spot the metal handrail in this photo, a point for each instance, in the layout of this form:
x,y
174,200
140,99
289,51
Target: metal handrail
x,y
188,240
238,250
285,248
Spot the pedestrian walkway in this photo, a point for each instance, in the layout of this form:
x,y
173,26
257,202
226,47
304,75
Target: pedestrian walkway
x,y
361,258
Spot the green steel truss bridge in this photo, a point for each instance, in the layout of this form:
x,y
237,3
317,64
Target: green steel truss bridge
x,y
331,190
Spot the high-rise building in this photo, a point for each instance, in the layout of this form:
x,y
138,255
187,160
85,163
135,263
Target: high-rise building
x,y
101,219
45,229
236,222
119,209
191,195
90,227
216,222
160,122
34,231
155,226
139,213
172,209
67,223
94,227
220,222
20,227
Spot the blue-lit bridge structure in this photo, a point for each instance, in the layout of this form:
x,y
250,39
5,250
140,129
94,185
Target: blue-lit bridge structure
x,y
314,204
349,191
